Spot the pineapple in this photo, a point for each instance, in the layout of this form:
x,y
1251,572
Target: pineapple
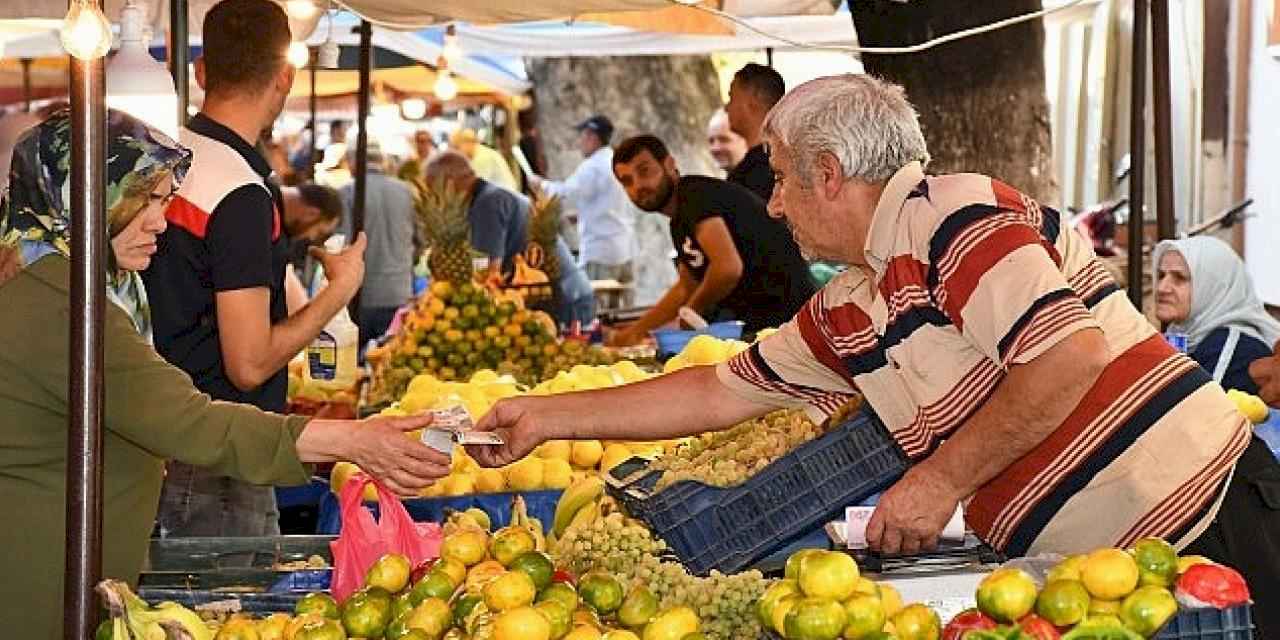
x,y
544,228
442,211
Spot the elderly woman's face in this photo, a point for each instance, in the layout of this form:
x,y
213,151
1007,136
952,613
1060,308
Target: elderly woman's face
x,y
1173,288
136,243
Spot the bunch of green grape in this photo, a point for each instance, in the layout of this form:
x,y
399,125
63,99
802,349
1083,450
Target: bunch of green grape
x,y
730,457
611,543
724,603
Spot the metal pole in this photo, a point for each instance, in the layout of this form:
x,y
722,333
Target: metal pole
x,y
26,84
1161,97
311,104
1137,150
179,54
88,298
768,56
362,142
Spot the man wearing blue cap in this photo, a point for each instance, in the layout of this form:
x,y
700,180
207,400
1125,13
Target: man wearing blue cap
x,y
605,224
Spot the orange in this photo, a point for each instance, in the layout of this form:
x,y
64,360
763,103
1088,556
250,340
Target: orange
x,y
521,623
815,619
1147,609
917,622
1006,594
1063,602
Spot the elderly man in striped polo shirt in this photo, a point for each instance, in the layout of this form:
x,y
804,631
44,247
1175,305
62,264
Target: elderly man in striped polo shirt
x,y
991,341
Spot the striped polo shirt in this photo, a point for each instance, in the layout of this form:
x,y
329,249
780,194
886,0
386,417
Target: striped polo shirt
x,y
972,277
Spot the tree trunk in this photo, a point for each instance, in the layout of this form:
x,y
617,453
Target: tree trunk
x,y
671,97
981,99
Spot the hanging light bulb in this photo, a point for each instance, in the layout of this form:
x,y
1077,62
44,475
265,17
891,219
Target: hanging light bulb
x,y
328,52
298,54
136,83
445,87
452,51
413,108
85,33
301,9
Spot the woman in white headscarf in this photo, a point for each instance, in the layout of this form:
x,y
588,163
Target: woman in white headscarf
x,y
1203,292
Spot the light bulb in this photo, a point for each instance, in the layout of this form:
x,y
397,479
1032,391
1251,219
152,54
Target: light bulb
x,y
413,108
86,34
445,87
301,9
451,51
136,83
298,54
328,53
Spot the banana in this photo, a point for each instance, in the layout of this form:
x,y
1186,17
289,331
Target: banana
x,y
520,518
573,500
585,516
167,620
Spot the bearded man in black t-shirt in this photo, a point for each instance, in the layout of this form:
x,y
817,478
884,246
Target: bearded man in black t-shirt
x,y
734,260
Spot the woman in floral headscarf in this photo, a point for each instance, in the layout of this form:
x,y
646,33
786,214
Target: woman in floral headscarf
x,y
152,411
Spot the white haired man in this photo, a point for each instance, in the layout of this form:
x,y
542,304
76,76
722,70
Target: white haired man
x,y
987,337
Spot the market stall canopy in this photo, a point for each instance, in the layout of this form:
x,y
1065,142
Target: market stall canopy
x,y
672,16
559,39
495,71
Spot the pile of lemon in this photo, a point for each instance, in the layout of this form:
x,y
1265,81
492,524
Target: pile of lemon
x,y
823,597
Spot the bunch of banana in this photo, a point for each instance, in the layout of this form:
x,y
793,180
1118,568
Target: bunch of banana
x,y
131,617
579,496
520,518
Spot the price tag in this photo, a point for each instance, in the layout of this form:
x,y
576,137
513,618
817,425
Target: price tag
x,y
857,519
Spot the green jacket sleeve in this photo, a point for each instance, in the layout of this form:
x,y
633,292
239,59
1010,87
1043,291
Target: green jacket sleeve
x,y
155,405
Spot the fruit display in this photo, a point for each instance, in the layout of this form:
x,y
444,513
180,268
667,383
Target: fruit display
x,y
730,457
453,331
592,537
823,596
310,397
1108,593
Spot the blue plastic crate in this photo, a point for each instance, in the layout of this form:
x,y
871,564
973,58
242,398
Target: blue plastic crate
x,y
730,528
256,603
672,341
1235,623
540,505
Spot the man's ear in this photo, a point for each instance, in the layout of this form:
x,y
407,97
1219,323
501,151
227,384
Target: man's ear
x,y
669,164
830,175
285,79
199,64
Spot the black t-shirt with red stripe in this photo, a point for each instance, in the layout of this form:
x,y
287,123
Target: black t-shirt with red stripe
x,y
242,247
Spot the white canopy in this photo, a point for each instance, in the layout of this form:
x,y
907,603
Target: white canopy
x,y
415,14
559,39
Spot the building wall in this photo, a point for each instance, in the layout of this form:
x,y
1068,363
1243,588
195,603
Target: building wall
x,y
1262,231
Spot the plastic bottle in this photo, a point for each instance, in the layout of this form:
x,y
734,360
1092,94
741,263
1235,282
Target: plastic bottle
x,y
331,357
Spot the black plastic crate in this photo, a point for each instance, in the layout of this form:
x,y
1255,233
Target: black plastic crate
x,y
1235,623
729,528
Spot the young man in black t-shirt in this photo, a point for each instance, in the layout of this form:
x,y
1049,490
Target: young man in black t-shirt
x,y
735,262
216,283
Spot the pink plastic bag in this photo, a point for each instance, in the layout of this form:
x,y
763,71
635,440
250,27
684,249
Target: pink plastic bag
x,y
362,541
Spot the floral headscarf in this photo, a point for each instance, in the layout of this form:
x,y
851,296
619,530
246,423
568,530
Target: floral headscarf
x,y
35,214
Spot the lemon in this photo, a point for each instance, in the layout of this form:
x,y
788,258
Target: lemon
x,y
890,599
676,363
491,481
555,450
462,484
1186,562
1157,562
778,614
1109,574
776,591
672,624
917,622
521,623
556,474
1063,602
1147,609
1007,595
705,349
482,574
525,474
586,454
1068,569
613,455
